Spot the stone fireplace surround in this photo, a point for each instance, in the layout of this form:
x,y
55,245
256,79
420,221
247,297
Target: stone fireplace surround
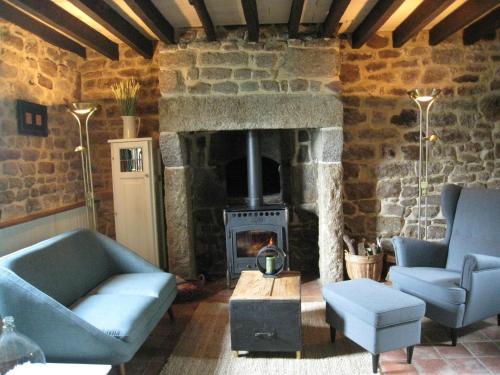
x,y
319,113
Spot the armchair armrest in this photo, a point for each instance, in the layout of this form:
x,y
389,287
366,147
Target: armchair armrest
x,y
474,263
124,260
411,252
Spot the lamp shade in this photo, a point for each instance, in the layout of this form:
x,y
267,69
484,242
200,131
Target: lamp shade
x,y
424,95
82,108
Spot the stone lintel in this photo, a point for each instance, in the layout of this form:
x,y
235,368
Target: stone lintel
x,y
260,111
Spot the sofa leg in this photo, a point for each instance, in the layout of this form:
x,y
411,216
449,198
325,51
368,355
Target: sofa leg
x,y
454,335
171,314
409,354
122,369
375,358
333,332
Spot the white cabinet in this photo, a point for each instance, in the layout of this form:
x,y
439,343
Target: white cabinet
x,y
137,197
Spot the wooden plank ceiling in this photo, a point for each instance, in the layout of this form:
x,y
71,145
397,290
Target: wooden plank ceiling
x,y
102,24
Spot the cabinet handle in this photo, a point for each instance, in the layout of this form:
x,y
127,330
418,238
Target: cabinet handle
x,y
146,175
265,335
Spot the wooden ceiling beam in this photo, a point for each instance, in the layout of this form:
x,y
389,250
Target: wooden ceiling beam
x,y
294,19
152,17
21,19
55,16
332,21
204,16
461,17
252,19
106,16
374,20
482,27
417,20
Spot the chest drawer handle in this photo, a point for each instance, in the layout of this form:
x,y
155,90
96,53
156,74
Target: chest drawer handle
x,y
265,335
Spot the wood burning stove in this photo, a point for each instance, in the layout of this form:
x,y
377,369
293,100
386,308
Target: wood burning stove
x,y
250,228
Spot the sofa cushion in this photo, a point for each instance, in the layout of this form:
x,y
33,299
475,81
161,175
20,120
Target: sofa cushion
x,y
121,316
373,302
65,267
153,284
435,283
475,227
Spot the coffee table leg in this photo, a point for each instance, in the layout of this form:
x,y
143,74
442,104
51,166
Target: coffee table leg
x,y
298,354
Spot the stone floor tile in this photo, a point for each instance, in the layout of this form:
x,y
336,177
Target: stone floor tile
x,y
459,351
434,366
491,363
483,348
468,366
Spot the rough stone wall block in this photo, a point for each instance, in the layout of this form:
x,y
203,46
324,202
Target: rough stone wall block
x,y
178,211
331,223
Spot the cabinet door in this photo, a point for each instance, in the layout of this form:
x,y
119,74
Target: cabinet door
x,y
133,198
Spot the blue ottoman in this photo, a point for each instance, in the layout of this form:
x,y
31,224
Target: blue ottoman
x,y
375,316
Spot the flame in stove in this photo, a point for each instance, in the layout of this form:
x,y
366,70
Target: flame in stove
x,y
271,242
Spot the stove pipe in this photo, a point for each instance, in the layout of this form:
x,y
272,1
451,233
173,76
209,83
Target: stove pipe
x,y
254,170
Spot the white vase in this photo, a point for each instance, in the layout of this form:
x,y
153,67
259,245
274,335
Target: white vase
x,y
131,126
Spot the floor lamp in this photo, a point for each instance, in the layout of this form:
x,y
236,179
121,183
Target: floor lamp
x,y
82,112
424,100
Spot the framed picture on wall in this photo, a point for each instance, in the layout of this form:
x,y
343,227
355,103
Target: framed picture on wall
x,y
31,119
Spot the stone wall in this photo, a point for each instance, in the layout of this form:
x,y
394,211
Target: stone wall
x,y
97,75
381,128
37,173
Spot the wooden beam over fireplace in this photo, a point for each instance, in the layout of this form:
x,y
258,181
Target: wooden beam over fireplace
x,y
294,19
374,20
204,16
55,16
479,29
417,20
252,18
461,17
153,19
21,19
106,16
332,21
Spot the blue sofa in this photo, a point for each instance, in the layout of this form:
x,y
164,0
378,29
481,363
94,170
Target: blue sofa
x,y
459,277
84,298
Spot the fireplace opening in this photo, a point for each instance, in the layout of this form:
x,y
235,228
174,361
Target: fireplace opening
x,y
237,177
250,242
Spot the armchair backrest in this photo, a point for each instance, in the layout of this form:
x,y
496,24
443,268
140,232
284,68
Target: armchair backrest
x,y
65,267
476,226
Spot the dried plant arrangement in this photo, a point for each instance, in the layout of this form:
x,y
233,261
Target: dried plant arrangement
x,y
126,94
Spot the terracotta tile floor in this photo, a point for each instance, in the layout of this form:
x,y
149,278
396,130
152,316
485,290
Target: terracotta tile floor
x,y
477,351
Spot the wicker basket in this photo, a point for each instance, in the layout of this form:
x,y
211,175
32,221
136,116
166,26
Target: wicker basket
x,y
359,266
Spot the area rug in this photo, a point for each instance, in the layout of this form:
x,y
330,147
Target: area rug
x,y
205,348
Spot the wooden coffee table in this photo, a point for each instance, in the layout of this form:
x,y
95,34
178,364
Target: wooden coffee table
x,y
264,313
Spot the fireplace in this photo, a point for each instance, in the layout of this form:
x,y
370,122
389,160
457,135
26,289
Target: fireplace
x,y
256,225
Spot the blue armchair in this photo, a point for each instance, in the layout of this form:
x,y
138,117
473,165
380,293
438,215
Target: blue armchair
x,y
84,298
459,277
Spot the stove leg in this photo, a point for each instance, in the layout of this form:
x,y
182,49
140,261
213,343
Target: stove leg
x,y
228,280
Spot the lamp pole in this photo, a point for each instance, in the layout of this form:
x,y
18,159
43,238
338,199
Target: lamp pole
x,y
82,112
424,102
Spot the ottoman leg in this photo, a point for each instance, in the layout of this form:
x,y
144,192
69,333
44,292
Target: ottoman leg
x,y
332,333
454,335
409,354
375,358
